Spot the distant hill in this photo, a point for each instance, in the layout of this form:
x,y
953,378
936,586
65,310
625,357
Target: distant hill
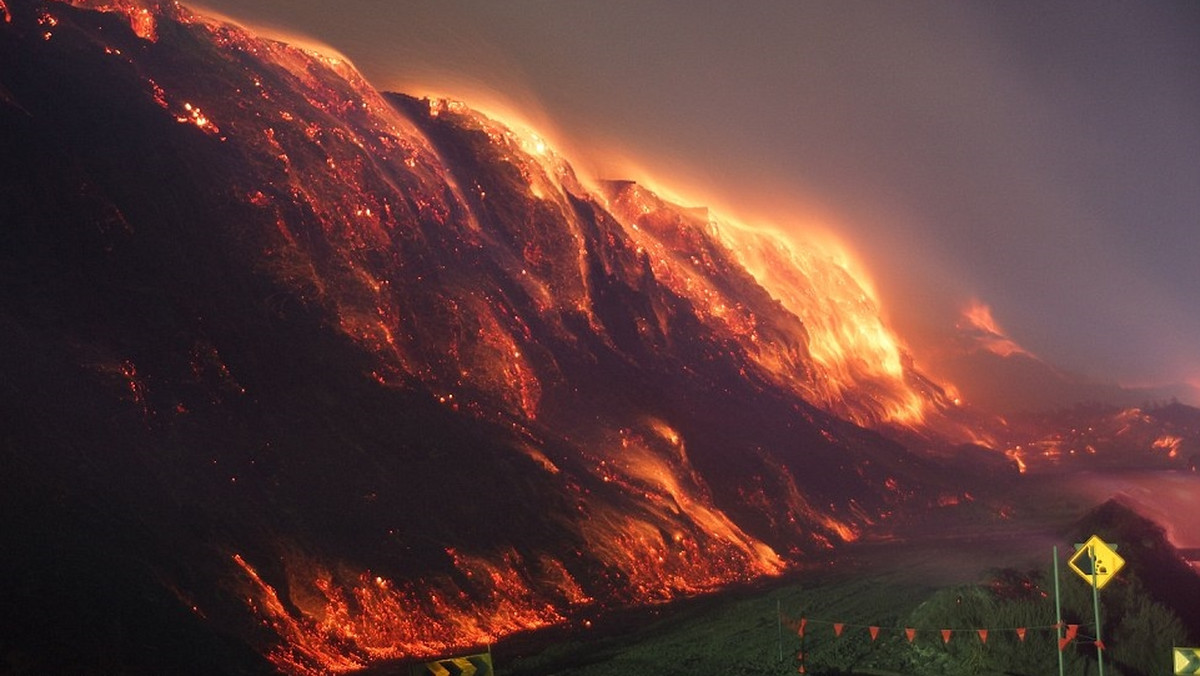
x,y
1149,557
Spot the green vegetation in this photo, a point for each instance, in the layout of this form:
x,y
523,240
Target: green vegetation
x,y
755,632
745,636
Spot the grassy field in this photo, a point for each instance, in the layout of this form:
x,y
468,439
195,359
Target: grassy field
x,y
943,574
753,631
752,634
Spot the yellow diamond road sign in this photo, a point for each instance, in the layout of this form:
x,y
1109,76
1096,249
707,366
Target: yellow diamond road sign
x,y
1187,660
1099,557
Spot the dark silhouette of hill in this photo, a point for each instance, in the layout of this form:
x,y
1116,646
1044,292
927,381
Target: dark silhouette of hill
x,y
293,370
1149,557
298,376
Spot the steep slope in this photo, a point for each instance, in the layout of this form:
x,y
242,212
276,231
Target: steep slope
x,y
344,378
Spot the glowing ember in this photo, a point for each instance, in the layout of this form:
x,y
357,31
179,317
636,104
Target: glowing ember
x,y
1102,436
46,20
342,625
193,115
143,24
136,385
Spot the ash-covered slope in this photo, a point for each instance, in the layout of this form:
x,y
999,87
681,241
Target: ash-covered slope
x,y
296,370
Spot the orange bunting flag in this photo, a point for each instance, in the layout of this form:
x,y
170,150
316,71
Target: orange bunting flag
x,y
1072,630
1021,633
800,631
983,635
1099,644
946,635
910,633
838,627
801,670
874,632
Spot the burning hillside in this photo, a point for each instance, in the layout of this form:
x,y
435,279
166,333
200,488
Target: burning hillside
x,y
349,377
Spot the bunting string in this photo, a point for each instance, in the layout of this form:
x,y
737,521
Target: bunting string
x,y
1067,633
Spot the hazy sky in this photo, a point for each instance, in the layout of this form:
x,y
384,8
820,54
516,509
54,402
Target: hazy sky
x,y
1043,158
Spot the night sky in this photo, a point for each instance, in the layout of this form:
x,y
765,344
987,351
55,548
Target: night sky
x,y
1042,159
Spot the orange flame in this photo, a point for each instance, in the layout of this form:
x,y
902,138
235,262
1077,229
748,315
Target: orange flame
x,y
642,465
987,332
859,365
847,335
141,15
1169,443
343,625
1017,455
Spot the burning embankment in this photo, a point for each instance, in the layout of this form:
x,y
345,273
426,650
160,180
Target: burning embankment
x,y
392,375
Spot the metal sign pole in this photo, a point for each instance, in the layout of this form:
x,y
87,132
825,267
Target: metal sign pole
x,y
1096,608
779,619
1058,612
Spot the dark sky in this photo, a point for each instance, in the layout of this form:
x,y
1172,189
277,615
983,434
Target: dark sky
x,y
1040,158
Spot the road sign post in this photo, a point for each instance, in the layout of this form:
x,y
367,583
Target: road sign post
x,y
1097,562
1058,623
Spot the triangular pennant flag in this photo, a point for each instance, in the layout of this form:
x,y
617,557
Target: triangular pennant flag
x,y
1021,633
983,635
801,670
946,635
874,632
838,627
1099,644
800,631
910,633
1072,630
